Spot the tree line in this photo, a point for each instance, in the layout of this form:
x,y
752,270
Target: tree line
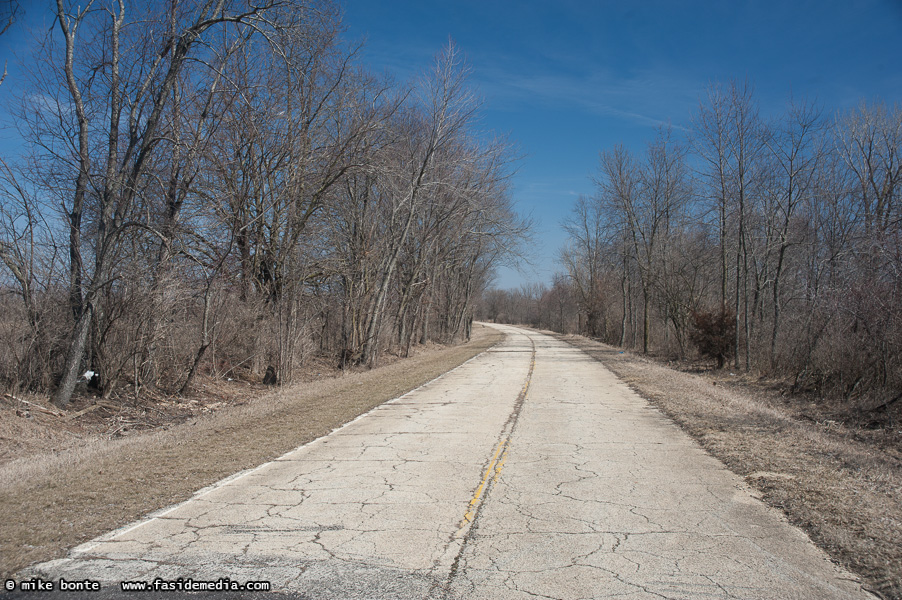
x,y
773,245
212,185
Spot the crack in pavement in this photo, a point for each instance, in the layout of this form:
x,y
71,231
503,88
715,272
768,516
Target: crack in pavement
x,y
492,471
585,492
605,498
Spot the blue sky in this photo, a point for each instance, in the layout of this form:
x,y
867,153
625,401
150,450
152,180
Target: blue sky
x,y
567,79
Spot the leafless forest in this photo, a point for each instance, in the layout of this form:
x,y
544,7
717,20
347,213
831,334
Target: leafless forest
x,y
213,185
771,246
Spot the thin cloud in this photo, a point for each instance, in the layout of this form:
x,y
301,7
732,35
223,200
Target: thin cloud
x,y
661,98
541,189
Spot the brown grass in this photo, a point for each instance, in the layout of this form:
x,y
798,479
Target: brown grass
x,y
52,502
843,489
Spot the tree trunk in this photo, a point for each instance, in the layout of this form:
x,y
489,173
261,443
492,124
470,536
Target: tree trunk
x,y
644,319
74,356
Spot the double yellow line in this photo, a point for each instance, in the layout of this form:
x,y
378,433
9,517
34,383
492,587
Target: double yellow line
x,y
493,470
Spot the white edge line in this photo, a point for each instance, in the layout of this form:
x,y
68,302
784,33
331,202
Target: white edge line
x,y
88,546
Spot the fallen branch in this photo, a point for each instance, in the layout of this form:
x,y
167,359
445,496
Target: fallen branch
x,y
101,404
83,411
886,404
38,407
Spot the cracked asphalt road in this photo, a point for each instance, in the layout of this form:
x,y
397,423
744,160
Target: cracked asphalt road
x,y
530,471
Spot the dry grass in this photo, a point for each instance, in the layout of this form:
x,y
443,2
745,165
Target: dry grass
x,y
54,501
836,483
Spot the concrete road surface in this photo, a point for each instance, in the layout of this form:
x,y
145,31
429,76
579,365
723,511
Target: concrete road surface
x,y
529,472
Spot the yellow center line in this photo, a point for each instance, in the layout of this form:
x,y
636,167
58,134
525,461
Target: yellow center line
x,y
493,471
485,479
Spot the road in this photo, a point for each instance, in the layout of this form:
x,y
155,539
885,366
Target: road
x,y
530,471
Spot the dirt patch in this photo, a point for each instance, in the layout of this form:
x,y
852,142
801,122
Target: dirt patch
x,y
842,485
53,501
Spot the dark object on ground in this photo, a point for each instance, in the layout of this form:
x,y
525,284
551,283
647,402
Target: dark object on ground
x,y
270,377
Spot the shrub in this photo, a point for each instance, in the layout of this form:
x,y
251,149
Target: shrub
x,y
714,334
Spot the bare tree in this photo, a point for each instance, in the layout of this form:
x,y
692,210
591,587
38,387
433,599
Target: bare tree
x,y
233,187
798,150
429,137
710,141
116,93
27,254
730,137
8,14
583,257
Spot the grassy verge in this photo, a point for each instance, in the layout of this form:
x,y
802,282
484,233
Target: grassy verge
x,y
844,492
59,501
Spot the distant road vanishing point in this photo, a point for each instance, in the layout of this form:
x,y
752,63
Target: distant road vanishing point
x,y
530,471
